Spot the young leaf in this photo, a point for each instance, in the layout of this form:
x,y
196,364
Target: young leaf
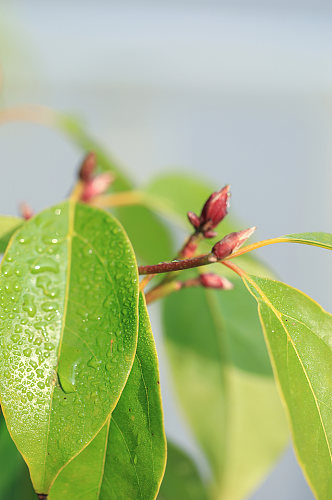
x,y
225,385
149,235
126,460
298,333
68,332
181,480
8,225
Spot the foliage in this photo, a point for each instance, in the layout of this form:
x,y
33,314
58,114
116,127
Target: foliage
x,y
79,381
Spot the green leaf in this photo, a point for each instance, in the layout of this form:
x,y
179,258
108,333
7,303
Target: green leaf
x,y
69,303
8,225
299,334
181,480
225,385
149,235
323,240
14,478
127,458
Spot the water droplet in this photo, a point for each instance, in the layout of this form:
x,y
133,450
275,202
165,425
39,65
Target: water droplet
x,y
45,265
29,306
15,337
66,376
94,362
27,352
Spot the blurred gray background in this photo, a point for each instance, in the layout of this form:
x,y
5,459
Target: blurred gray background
x,y
238,91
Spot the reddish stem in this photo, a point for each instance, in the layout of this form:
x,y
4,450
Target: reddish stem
x,y
178,265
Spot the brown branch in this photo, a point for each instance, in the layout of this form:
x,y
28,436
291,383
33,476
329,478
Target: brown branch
x,y
178,265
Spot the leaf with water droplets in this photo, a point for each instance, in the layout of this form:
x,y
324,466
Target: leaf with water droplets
x,y
8,225
299,334
68,293
126,460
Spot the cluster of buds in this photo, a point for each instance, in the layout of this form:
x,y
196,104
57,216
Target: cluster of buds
x,y
213,212
93,185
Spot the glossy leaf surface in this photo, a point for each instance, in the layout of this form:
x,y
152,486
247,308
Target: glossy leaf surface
x,y
181,480
8,225
299,335
69,303
225,385
149,235
127,458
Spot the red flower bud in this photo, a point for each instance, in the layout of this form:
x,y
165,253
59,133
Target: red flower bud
x,y
96,186
210,280
193,219
231,243
26,211
215,209
88,167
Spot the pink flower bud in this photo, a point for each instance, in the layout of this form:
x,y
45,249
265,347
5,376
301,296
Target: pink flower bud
x,y
193,219
210,280
88,167
215,209
96,186
231,243
26,211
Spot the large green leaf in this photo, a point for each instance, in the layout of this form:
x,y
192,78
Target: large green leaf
x,y
8,225
14,477
69,319
225,385
182,480
149,235
127,458
299,335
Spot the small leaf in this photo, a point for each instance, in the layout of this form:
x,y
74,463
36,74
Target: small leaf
x,y
224,384
8,225
182,480
149,235
299,334
69,289
126,460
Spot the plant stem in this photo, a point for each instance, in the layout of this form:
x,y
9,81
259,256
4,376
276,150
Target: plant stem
x,y
178,265
234,268
254,246
161,291
118,199
76,193
190,246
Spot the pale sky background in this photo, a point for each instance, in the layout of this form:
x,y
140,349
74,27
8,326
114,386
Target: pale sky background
x,y
236,91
